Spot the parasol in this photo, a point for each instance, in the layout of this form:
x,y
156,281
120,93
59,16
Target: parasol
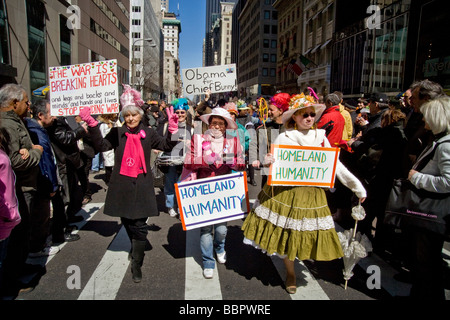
x,y
354,245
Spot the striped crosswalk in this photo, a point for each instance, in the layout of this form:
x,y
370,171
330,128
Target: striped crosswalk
x,y
105,282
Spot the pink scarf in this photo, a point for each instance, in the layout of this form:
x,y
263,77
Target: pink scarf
x,y
133,162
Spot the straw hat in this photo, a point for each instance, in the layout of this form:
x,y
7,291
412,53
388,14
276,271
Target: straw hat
x,y
220,112
299,102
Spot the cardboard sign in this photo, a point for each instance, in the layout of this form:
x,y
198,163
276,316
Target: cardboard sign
x,y
213,200
303,166
94,85
217,79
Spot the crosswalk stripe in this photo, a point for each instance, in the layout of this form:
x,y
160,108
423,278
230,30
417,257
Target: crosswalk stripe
x,y
312,291
196,286
107,278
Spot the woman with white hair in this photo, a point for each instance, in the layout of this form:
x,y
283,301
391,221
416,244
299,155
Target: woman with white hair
x,y
131,193
294,222
427,269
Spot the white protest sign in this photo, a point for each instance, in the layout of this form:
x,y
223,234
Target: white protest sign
x,y
94,85
217,79
213,200
303,166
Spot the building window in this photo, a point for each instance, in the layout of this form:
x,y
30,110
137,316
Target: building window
x,y
65,42
36,42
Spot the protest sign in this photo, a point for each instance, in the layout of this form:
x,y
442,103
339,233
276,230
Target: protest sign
x,y
303,166
213,200
217,79
94,85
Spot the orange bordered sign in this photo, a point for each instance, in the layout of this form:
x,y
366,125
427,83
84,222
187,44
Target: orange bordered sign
x,y
303,166
209,201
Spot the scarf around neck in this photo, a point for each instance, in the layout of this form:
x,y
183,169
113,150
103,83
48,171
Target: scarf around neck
x,y
133,162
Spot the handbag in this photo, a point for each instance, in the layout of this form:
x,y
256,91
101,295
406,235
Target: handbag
x,y
409,206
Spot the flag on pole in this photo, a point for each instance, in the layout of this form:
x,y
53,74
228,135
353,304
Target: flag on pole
x,y
299,66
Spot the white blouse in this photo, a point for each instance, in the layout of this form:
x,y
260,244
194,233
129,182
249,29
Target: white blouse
x,y
317,138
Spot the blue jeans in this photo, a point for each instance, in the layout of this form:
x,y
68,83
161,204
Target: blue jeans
x,y
97,162
171,178
208,245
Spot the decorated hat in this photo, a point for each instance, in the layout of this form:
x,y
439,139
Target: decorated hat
x,y
220,112
231,108
180,104
281,101
241,105
131,97
301,101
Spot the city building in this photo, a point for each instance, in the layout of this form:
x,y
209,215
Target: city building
x,y
257,61
290,35
213,13
172,77
384,46
146,43
37,35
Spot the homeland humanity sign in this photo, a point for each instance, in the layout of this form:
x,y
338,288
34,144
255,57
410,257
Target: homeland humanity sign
x,y
213,200
217,79
303,166
94,85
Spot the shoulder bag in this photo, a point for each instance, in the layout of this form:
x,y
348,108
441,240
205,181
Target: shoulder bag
x,y
409,206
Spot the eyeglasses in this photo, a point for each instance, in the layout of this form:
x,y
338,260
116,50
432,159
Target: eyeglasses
x,y
217,124
306,115
180,112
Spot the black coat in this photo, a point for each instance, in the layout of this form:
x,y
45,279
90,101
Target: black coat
x,y
127,197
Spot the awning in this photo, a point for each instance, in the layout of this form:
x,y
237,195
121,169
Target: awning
x,y
41,92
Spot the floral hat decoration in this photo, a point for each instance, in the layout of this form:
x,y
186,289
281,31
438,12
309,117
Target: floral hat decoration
x,y
302,101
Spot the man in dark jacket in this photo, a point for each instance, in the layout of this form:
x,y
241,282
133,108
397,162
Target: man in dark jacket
x,y
49,188
64,142
14,106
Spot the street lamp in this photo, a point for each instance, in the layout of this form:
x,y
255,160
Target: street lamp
x,y
133,63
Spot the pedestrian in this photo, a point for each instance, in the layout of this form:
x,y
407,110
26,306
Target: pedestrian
x,y
70,166
131,193
294,222
14,106
9,205
48,190
219,155
107,122
332,120
347,133
173,166
261,143
427,268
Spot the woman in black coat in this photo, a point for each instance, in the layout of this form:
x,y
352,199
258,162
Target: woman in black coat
x,y
131,193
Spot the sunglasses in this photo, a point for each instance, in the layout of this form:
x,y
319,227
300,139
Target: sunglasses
x,y
306,115
180,112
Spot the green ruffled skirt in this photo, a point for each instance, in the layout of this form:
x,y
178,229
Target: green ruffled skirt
x,y
293,222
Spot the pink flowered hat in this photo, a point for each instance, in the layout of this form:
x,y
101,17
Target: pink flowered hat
x,y
131,96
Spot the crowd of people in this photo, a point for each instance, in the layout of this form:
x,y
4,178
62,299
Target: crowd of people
x,y
45,168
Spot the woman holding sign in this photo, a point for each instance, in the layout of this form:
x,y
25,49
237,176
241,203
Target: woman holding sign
x,y
294,222
214,154
131,193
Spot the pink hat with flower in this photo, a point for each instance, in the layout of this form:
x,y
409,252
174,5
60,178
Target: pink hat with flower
x,y
131,96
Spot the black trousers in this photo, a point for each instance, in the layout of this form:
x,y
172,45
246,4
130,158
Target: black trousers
x,y
136,229
427,266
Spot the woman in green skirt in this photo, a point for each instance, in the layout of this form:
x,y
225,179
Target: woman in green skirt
x,y
294,222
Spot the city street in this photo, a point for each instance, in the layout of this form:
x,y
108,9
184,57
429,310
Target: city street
x,y
97,267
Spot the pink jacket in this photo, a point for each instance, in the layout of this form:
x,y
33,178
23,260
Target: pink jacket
x,y
9,208
199,159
